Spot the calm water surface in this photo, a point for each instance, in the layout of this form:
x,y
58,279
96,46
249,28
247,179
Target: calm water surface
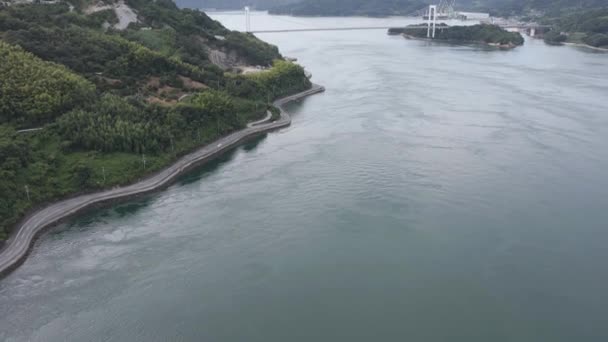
x,y
433,193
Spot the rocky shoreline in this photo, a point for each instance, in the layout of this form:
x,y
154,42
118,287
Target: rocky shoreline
x,y
452,41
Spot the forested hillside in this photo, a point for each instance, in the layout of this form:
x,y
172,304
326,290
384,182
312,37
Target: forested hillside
x,y
109,103
588,27
34,92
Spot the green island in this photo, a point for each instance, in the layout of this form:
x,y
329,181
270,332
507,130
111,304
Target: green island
x,y
478,34
96,94
583,27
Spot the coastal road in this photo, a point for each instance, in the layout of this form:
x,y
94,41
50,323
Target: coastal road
x,y
30,130
19,243
261,121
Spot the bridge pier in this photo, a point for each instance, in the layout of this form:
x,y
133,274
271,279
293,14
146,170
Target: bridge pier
x,y
247,19
432,20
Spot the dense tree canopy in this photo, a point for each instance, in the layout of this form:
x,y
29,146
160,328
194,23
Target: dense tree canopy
x,y
33,92
113,125
589,27
490,34
110,61
283,79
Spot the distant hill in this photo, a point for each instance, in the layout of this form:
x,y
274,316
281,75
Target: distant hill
x,y
232,4
587,27
351,7
406,7
523,7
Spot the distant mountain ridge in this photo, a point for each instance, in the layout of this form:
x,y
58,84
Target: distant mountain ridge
x,y
232,4
523,7
351,7
395,7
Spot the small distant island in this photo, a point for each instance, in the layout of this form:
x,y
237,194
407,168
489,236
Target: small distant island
x,y
478,34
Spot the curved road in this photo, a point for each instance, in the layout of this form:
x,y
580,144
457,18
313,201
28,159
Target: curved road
x,y
261,121
19,244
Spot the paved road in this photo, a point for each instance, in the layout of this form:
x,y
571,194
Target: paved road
x,y
261,121
18,245
30,130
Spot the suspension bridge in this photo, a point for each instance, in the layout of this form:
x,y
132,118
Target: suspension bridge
x,y
445,10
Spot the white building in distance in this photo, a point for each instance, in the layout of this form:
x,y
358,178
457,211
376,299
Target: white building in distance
x,y
473,16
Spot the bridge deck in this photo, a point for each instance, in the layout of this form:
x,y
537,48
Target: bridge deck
x,y
379,28
324,29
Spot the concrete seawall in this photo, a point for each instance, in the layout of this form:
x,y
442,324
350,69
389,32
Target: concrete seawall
x,y
18,246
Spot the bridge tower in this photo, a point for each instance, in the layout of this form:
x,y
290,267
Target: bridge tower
x,y
247,19
432,21
445,9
